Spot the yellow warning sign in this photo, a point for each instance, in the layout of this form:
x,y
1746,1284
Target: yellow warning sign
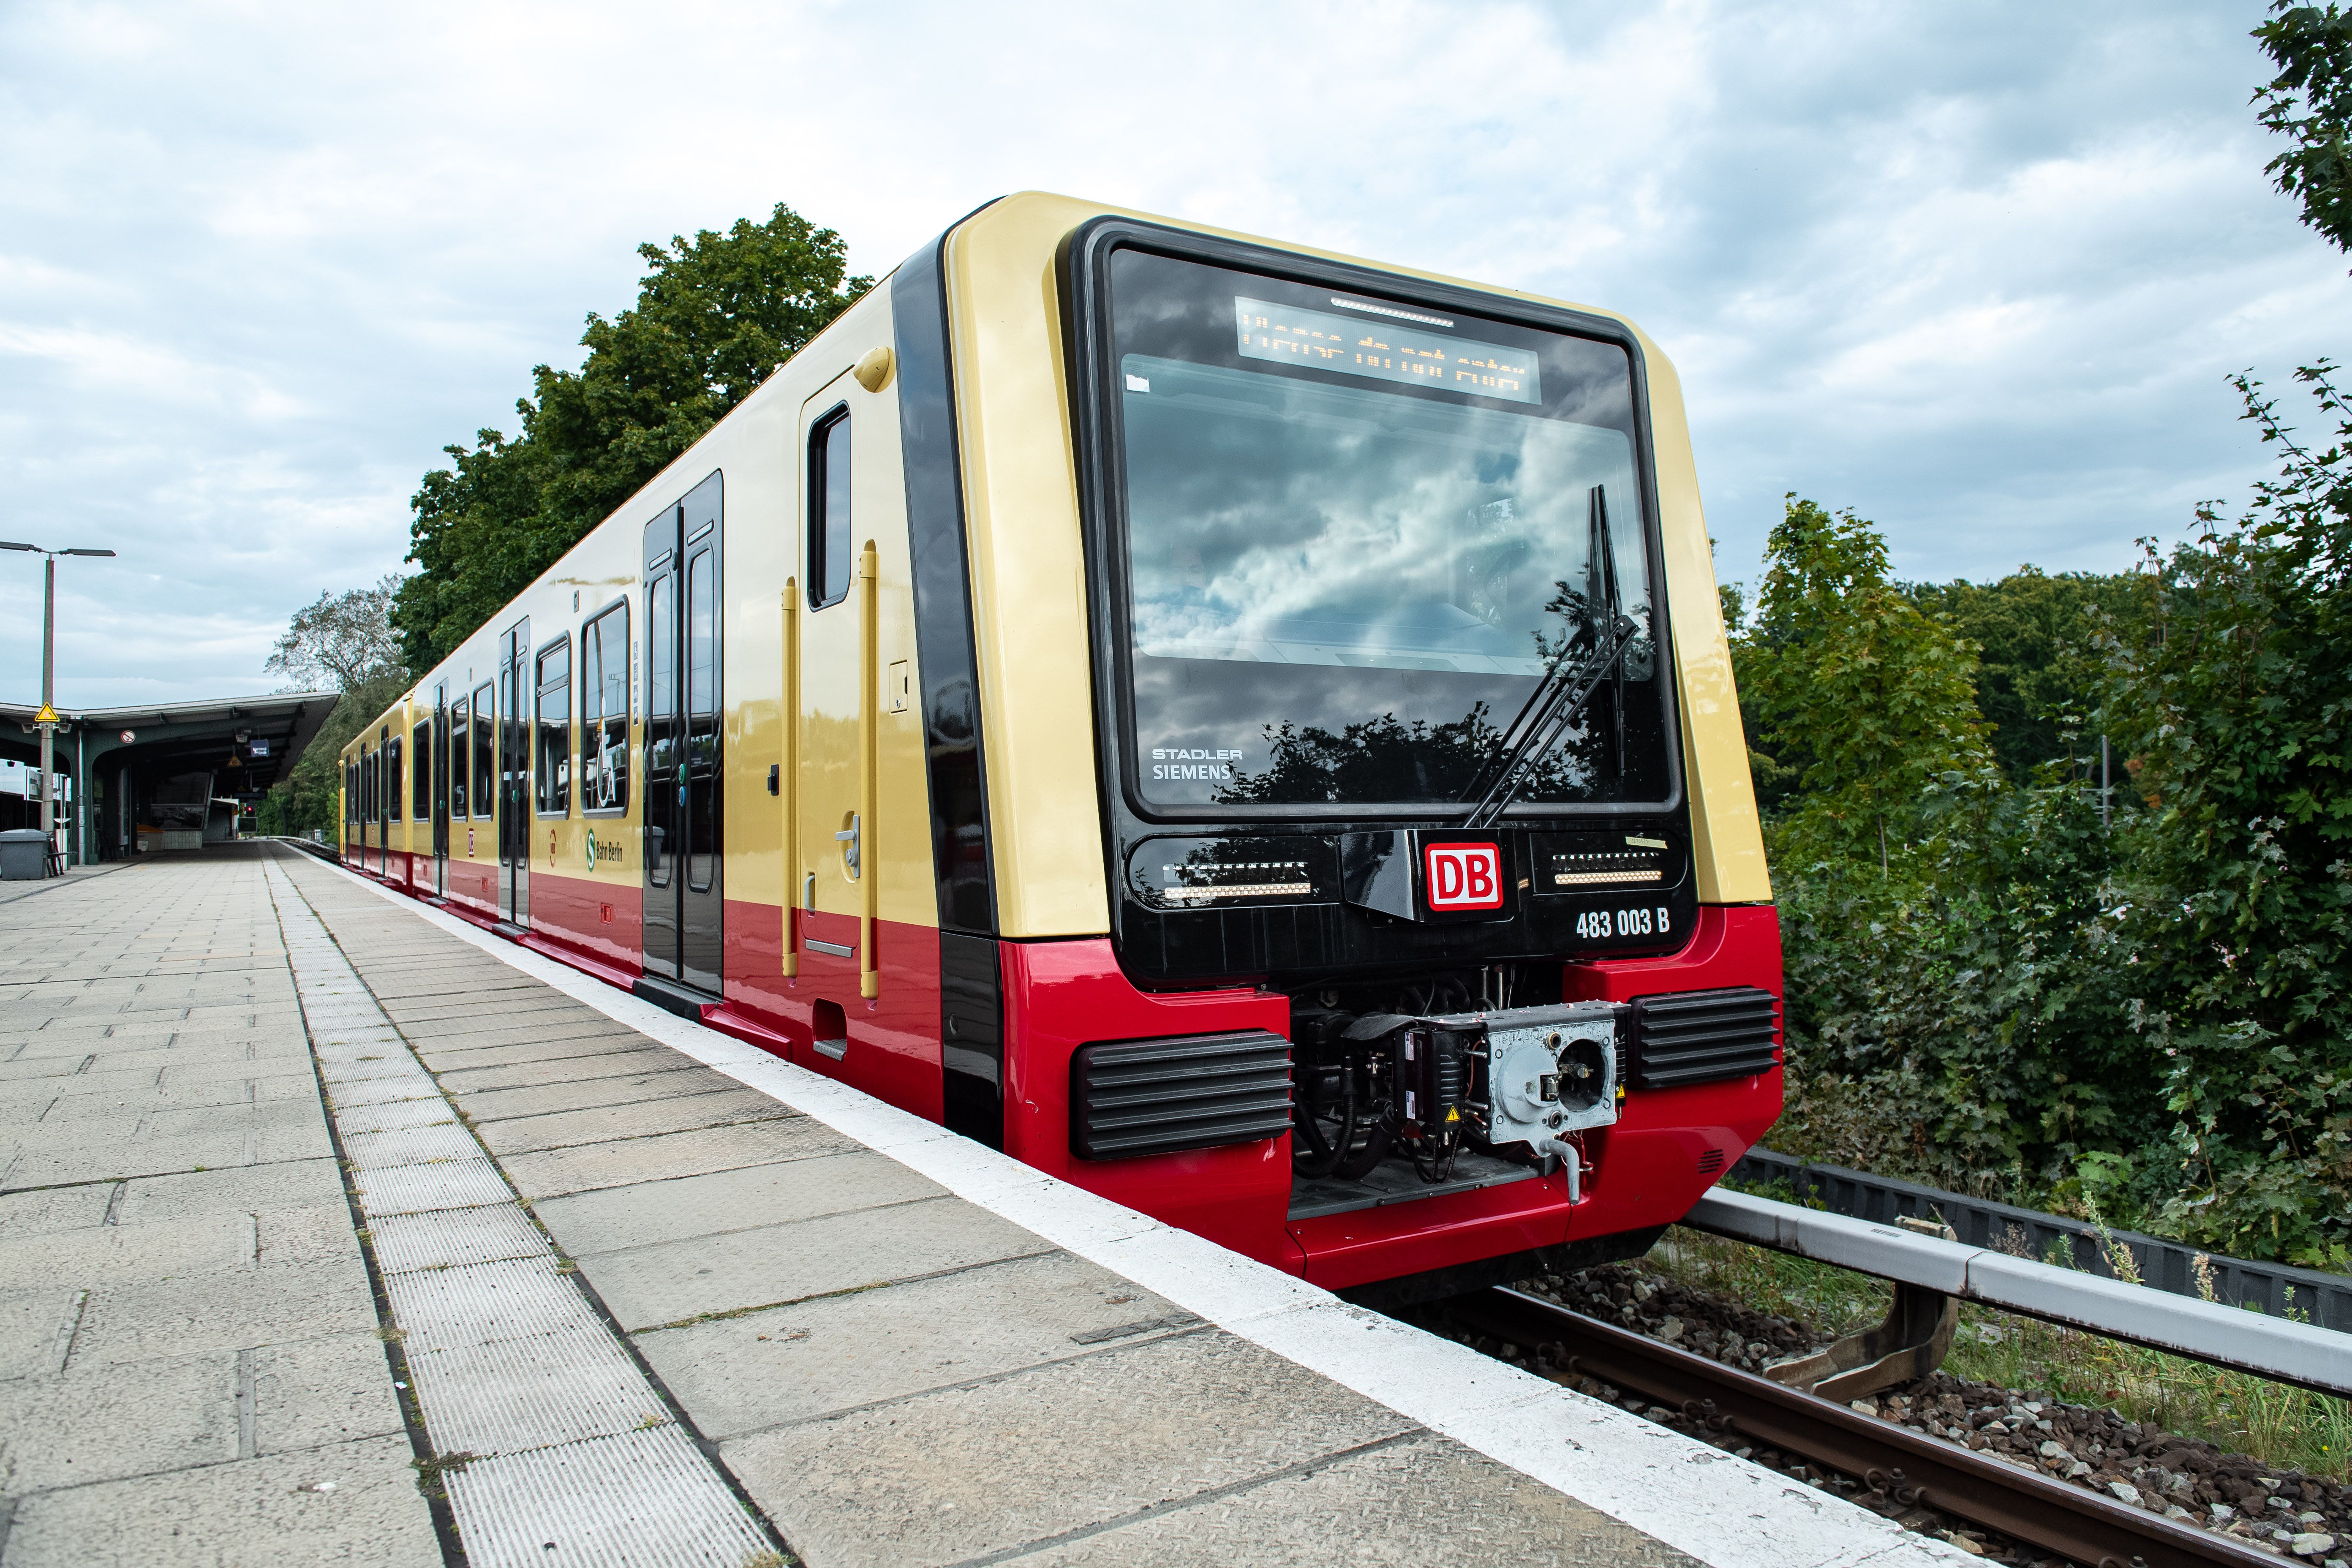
x,y
47,715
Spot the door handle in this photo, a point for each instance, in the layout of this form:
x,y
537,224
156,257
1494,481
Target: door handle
x,y
850,835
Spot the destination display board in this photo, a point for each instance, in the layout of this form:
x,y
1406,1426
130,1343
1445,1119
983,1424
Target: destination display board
x,y
1385,351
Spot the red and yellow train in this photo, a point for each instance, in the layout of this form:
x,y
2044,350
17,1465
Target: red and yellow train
x,y
1243,730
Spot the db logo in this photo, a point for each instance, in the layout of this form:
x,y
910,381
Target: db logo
x,y
1466,877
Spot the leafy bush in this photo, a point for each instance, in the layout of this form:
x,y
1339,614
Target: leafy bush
x,y
1996,986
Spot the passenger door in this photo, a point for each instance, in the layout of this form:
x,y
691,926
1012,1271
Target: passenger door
x,y
440,750
833,836
684,644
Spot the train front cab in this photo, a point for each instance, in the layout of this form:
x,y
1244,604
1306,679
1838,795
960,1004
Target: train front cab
x,y
842,736
1299,582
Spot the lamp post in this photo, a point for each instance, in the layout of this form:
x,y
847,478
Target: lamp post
x,y
48,715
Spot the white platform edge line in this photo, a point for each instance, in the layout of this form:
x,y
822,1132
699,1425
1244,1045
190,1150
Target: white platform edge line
x,y
1726,1511
713,1513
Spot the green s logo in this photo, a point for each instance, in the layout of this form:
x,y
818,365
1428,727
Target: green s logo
x,y
592,849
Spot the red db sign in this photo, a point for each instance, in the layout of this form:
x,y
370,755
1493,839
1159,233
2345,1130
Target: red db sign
x,y
1466,877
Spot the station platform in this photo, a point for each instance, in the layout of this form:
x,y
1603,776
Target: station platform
x,y
336,1229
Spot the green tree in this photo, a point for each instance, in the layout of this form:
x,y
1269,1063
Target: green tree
x,y
2037,666
2310,103
344,641
1944,1004
1855,692
715,316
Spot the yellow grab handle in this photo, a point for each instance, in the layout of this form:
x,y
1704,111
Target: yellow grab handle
x,y
788,773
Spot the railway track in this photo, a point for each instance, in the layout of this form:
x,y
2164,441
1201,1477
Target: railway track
x,y
1906,1469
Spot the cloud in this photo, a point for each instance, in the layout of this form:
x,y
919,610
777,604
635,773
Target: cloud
x,y
1976,273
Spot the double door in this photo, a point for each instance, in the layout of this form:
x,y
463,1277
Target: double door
x,y
685,628
440,787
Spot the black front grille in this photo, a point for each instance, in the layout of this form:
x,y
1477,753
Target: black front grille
x,y
1700,1036
1198,1091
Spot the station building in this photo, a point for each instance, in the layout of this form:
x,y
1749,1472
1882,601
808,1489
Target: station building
x,y
175,775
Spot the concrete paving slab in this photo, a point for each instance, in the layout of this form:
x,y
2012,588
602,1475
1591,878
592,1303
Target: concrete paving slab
x,y
648,1286
467,1080
55,1209
319,1234
248,1189
584,1167
727,1200
458,1012
263,1511
106,1151
1094,1447
563,1127
105,1253
278,1115
314,1392
105,1423
745,1373
498,1026
36,1322
495,1047
228,1311
1385,1504
21,1110
254,1088
666,1082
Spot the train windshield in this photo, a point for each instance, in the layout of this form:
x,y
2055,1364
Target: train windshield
x,y
1360,532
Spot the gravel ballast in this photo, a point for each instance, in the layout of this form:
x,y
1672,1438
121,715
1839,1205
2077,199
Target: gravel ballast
x,y
2295,1517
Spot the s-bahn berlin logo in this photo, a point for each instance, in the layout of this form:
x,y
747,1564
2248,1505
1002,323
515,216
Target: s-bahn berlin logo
x,y
592,849
1464,875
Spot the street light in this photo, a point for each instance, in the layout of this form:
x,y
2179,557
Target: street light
x,y
48,715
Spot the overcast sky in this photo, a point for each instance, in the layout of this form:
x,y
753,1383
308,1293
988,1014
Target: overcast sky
x,y
1976,272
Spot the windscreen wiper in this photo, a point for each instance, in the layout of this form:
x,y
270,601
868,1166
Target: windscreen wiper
x,y
1566,688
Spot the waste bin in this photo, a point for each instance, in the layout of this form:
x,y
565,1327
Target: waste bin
x,y
23,855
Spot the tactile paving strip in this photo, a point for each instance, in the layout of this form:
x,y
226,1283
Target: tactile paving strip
x,y
568,1455
602,1503
448,1239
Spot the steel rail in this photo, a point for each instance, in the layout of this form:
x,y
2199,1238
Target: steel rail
x,y
1908,1467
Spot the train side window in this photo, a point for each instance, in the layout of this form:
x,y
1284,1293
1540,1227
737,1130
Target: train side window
x,y
461,726
367,784
829,554
420,770
486,750
605,711
392,760
555,730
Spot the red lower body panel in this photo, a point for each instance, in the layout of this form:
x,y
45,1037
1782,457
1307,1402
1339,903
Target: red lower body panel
x,y
1059,995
